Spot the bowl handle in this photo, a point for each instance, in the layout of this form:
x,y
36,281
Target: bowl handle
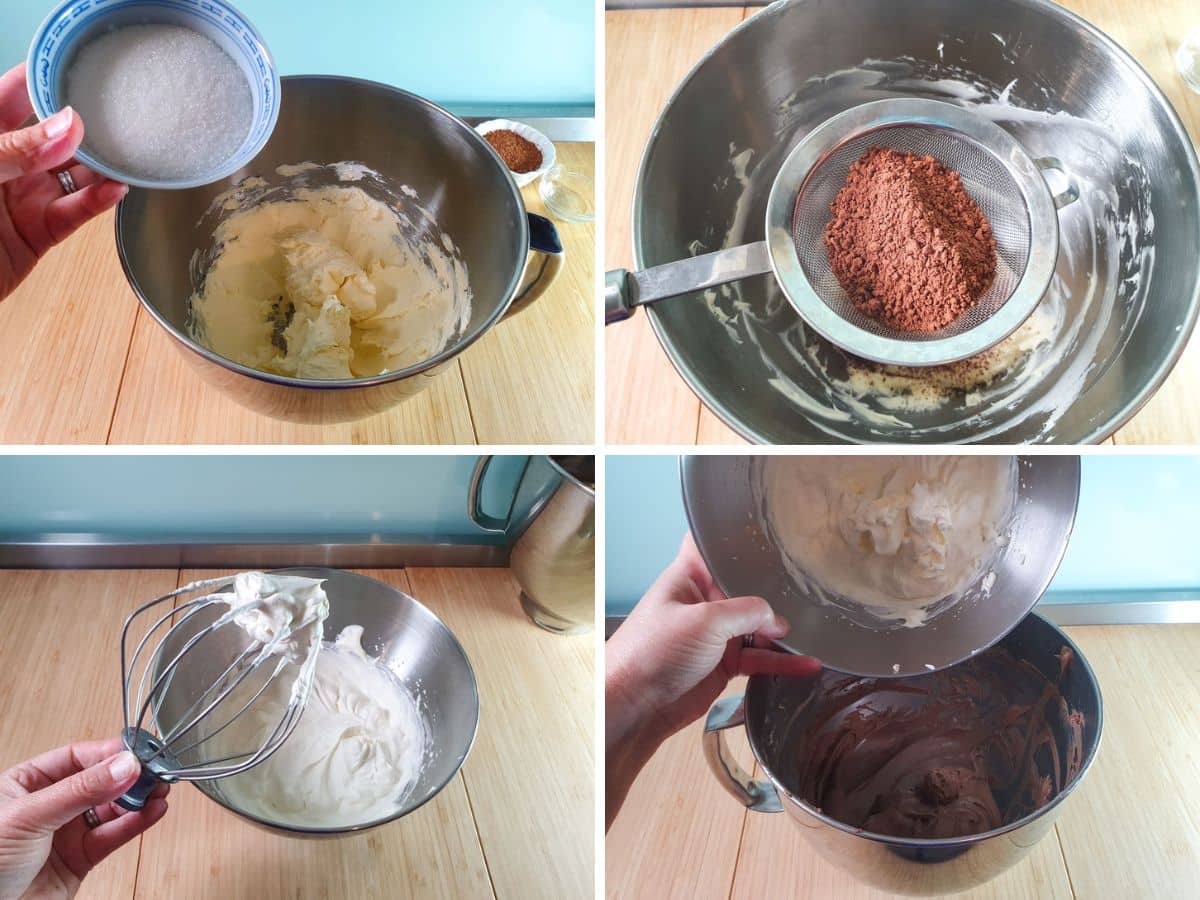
x,y
759,796
545,261
475,510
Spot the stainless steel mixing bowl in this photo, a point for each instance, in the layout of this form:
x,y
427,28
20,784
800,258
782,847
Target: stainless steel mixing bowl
x,y
724,508
772,711
554,543
410,640
1128,265
511,255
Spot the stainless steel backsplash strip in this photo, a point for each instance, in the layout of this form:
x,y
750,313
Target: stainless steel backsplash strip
x,y
1144,608
671,4
88,552
1144,612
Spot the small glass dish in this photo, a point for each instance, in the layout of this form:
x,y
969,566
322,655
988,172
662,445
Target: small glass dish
x,y
569,194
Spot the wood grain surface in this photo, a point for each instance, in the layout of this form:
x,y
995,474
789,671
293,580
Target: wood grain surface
x,y
85,364
60,652
646,401
1131,830
516,822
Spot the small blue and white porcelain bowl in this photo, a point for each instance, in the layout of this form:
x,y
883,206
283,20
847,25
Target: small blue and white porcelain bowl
x,y
75,22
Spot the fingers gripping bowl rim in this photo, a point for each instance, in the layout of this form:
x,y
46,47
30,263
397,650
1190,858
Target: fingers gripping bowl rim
x,y
73,23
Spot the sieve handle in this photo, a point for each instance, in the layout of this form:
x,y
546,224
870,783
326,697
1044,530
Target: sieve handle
x,y
1054,164
759,796
625,291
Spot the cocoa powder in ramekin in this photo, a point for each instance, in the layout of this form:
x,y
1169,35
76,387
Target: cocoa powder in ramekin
x,y
907,242
521,155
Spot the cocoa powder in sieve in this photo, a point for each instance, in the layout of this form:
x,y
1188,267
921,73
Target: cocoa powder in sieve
x,y
907,242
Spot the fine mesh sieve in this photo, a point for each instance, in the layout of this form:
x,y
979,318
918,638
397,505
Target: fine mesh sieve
x,y
1000,177
986,181
996,172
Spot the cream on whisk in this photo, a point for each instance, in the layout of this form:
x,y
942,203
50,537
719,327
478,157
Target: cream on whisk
x,y
269,605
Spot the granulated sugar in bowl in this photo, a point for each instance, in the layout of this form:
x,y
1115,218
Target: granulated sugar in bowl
x,y
160,101
172,94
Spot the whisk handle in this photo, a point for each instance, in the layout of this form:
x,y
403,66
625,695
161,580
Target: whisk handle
x,y
135,798
157,767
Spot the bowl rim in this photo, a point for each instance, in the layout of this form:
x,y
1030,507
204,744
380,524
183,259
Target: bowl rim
x,y
590,489
962,841
303,831
83,155
1105,428
338,384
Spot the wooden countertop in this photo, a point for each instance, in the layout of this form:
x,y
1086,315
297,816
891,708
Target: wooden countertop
x,y
516,822
84,363
1131,830
646,401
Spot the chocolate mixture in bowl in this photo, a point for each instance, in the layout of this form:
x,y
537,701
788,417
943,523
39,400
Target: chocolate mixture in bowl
x,y
907,242
954,753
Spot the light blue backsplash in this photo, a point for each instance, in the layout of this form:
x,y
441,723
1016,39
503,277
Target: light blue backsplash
x,y
403,499
643,525
476,56
1134,530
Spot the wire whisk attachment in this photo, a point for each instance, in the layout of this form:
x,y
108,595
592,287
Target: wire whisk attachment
x,y
203,663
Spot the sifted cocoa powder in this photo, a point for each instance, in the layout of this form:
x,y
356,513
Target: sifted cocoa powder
x,y
907,242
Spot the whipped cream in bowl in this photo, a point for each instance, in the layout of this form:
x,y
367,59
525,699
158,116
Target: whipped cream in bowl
x,y
356,753
894,541
390,716
885,566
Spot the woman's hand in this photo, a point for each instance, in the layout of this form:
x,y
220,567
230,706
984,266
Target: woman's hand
x,y
35,211
46,847
672,658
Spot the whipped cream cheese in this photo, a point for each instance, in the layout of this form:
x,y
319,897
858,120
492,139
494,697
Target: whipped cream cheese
x,y
328,282
355,754
892,534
